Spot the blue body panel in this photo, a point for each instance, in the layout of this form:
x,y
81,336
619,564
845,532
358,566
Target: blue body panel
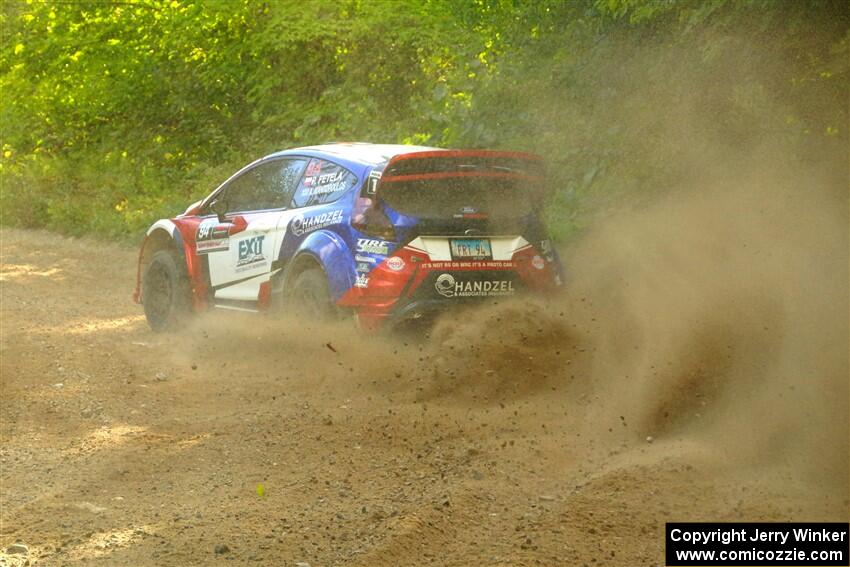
x,y
334,247
330,250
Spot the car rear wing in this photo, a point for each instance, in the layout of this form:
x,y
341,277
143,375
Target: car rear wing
x,y
455,165
454,190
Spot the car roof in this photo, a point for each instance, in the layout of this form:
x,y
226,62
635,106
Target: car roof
x,y
358,152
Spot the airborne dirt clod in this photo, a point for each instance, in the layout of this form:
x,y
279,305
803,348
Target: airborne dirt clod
x,y
695,369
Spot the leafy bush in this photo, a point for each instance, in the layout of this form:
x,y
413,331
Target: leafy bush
x,y
116,114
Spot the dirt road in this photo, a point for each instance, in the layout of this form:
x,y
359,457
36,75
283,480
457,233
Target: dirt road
x,y
249,440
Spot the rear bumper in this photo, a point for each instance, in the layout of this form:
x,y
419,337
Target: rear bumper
x,y
407,312
411,284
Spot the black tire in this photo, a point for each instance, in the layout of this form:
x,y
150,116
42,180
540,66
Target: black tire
x,y
165,292
309,295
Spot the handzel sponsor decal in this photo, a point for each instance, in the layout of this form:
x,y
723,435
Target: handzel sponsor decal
x,y
302,225
250,253
211,237
445,285
449,286
373,246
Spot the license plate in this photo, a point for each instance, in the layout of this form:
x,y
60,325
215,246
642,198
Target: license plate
x,y
471,249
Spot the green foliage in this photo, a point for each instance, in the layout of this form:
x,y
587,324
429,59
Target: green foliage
x,y
116,113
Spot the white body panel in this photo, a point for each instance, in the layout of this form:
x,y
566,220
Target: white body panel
x,y
247,261
437,247
164,224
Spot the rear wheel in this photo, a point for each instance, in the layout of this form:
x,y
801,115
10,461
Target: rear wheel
x,y
165,292
310,295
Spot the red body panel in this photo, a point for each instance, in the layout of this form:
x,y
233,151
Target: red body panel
x,y
388,288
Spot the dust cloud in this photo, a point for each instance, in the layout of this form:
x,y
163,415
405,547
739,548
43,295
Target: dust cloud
x,y
694,367
717,315
710,326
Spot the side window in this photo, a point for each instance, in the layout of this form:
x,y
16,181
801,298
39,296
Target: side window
x,y
323,182
266,186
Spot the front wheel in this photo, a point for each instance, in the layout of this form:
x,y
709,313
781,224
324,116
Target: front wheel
x,y
165,292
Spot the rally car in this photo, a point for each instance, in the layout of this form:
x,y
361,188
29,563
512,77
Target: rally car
x,y
387,233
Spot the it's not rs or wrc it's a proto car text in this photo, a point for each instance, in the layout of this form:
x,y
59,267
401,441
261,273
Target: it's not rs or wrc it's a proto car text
x,y
389,233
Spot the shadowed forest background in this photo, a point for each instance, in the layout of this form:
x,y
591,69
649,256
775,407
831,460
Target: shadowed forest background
x,y
117,113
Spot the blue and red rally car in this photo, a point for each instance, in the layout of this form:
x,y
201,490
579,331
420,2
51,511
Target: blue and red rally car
x,y
386,232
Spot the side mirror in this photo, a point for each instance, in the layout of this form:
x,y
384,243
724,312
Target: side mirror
x,y
219,207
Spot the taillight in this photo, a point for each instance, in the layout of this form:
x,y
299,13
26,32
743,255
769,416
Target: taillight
x,y
369,219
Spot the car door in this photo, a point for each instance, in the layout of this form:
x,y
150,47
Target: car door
x,y
316,205
255,202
